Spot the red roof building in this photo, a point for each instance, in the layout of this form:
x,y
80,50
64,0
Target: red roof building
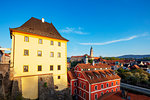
x,y
130,96
91,81
135,67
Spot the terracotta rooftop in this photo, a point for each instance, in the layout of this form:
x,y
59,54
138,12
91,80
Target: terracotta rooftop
x,y
87,66
135,67
71,74
100,75
37,27
118,96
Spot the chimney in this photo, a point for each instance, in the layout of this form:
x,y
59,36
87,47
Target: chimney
x,y
43,20
93,62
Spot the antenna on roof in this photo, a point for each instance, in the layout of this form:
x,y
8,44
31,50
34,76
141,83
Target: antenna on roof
x,y
43,20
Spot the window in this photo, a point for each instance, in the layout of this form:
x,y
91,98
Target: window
x,y
59,54
59,44
102,93
26,39
112,90
51,54
79,74
75,74
102,86
116,83
96,87
107,91
26,52
84,86
39,53
39,68
75,91
75,83
80,92
116,89
80,84
40,41
52,42
84,95
96,97
58,77
112,84
59,67
107,85
51,67
25,68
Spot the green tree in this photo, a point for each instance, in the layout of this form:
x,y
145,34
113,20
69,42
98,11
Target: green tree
x,y
144,77
136,78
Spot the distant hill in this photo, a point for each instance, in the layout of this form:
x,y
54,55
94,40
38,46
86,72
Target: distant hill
x,y
134,56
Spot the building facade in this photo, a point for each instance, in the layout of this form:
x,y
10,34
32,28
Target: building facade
x,y
90,82
38,50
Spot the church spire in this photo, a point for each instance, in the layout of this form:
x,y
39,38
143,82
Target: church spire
x,y
91,52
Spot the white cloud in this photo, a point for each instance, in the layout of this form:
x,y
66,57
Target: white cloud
x,y
114,41
73,30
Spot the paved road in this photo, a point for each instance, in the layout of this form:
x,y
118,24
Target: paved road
x,y
135,88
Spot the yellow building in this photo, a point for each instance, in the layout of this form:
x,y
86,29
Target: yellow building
x,y
38,50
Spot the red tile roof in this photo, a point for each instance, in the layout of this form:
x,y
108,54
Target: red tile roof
x,y
6,54
135,67
87,66
100,75
118,96
72,74
37,27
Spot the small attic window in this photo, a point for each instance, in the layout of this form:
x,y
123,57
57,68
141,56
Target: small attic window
x,y
113,72
97,75
91,77
103,74
107,73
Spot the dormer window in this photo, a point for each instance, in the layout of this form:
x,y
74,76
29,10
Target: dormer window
x,y
96,74
107,73
91,77
103,74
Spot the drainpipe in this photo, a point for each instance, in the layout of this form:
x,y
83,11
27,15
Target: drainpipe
x,y
89,91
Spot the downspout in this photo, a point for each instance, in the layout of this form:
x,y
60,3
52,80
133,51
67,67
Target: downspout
x,y
13,51
71,87
12,62
89,91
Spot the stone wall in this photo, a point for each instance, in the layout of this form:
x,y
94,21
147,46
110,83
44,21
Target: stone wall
x,y
4,68
16,88
5,83
45,86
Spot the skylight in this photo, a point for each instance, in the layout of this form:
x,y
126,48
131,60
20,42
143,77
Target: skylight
x,y
107,73
97,75
102,74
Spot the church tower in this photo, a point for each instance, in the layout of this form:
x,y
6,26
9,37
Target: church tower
x,y
91,52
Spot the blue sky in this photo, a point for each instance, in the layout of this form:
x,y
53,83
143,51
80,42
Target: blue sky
x,y
112,27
